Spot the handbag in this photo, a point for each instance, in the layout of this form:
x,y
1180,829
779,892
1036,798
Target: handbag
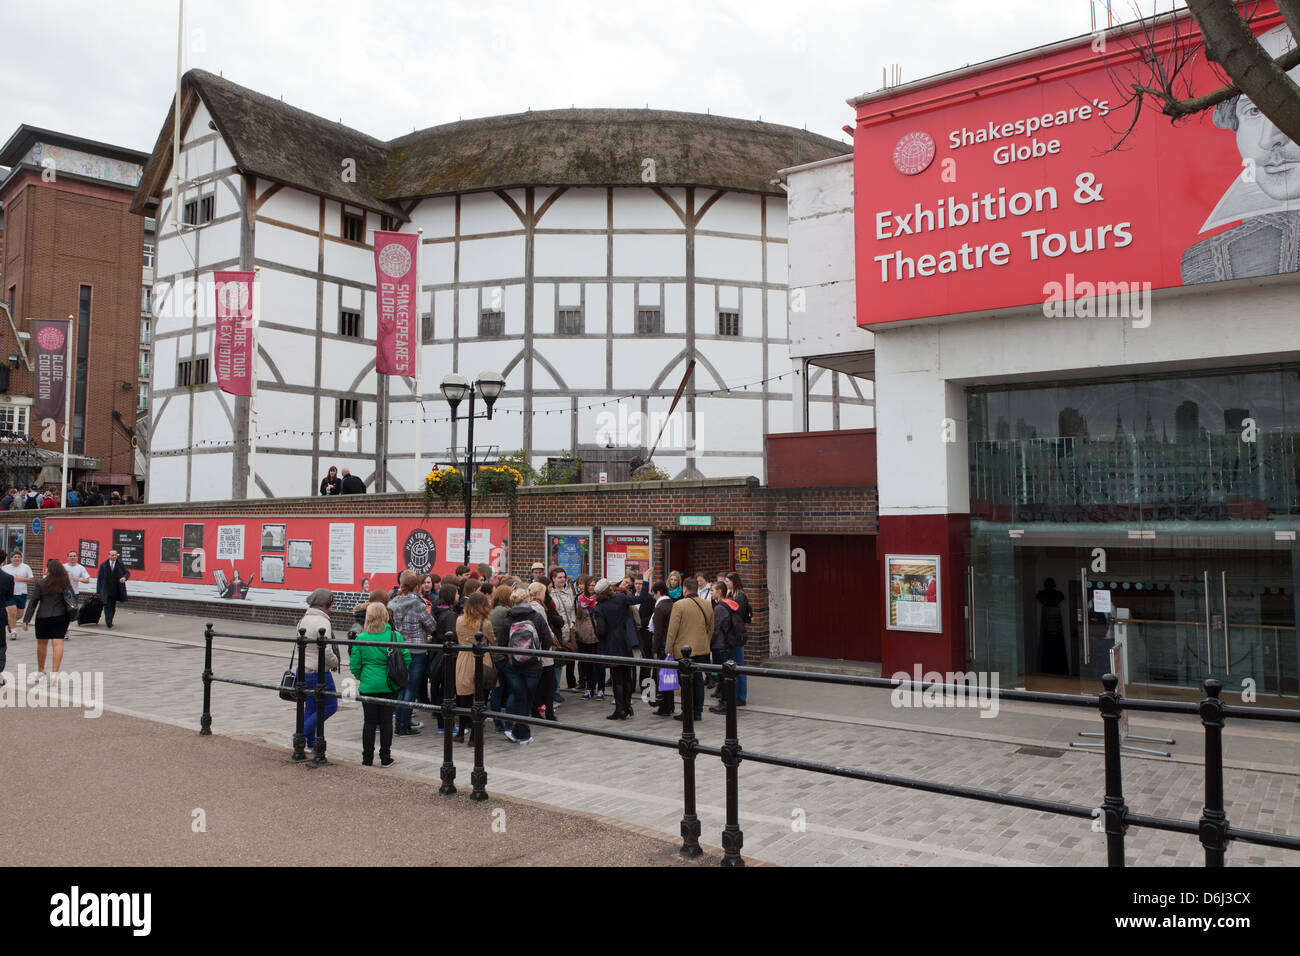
x,y
668,678
289,680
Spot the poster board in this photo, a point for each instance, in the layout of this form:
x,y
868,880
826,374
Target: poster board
x,y
624,548
570,549
913,589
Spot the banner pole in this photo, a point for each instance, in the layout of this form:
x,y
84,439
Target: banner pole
x,y
67,414
419,343
252,389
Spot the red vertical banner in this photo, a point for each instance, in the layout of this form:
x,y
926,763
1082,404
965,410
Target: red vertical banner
x,y
232,348
50,355
396,288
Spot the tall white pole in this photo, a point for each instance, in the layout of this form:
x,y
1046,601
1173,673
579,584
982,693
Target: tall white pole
x,y
69,381
419,343
176,121
252,398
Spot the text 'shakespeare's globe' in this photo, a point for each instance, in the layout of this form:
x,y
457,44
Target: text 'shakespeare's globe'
x,y
914,153
394,260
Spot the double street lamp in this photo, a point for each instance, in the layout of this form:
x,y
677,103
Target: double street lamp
x,y
455,388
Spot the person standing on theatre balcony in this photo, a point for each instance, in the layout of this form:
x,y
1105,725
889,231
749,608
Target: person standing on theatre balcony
x,y
350,484
331,484
690,624
110,585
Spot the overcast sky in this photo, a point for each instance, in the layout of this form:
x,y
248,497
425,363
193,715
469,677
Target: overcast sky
x,y
107,72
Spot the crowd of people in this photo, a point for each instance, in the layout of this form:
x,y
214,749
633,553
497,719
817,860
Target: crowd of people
x,y
629,618
82,496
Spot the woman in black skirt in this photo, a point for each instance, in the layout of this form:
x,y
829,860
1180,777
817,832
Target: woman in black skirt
x,y
53,602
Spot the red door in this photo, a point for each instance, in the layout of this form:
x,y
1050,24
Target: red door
x,y
835,598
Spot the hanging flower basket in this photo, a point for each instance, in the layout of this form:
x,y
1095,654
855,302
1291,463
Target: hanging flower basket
x,y
445,484
498,479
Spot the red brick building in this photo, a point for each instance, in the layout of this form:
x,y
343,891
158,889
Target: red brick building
x,y
72,248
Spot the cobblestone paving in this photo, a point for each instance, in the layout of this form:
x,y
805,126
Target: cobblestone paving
x,y
844,822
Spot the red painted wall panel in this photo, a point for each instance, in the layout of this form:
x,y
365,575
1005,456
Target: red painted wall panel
x,y
949,537
830,459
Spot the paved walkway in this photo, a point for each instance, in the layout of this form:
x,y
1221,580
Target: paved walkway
x,y
151,665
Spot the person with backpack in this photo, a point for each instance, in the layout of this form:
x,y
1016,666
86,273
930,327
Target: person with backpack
x,y
736,591
728,638
371,667
527,625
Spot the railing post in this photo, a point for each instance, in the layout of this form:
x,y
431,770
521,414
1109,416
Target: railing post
x,y
478,776
1113,808
205,719
448,771
732,838
1214,822
318,748
300,693
686,747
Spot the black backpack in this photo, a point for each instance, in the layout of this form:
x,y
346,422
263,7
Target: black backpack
x,y
397,672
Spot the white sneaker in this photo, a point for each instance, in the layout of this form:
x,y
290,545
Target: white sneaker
x,y
511,737
36,678
526,741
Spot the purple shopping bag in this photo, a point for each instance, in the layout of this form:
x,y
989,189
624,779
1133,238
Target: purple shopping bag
x,y
667,678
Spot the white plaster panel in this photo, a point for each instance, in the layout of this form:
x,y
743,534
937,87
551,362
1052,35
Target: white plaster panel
x,y
778,223
514,308
219,242
815,192
437,262
486,260
675,309
285,412
198,125
751,312
494,354
225,158
468,327
286,247
642,208
348,261
543,308
596,318
569,255
486,212
568,294
778,269
577,209
292,206
638,362
624,307
551,431
731,258
580,360
289,299
728,297
437,217
739,363
647,294
734,212
164,364
443,306
166,480
342,361
821,250
294,355
650,255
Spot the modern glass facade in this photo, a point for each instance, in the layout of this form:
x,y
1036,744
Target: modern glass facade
x,y
1179,496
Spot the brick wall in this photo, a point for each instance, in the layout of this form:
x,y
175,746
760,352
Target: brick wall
x,y
742,512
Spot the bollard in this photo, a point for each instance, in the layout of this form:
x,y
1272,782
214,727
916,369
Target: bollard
x,y
318,748
478,776
205,719
300,692
732,838
686,747
1113,809
448,771
1213,827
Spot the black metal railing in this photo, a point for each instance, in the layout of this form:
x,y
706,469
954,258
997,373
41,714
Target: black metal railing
x,y
1113,817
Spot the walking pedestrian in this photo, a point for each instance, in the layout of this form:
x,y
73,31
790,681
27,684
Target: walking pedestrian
x,y
474,620
331,484
53,604
690,624
411,618
22,575
6,592
317,616
110,585
369,665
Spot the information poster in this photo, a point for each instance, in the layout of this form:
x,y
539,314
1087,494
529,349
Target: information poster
x,y
230,542
913,588
88,554
170,551
379,549
342,553
480,545
570,549
625,549
129,545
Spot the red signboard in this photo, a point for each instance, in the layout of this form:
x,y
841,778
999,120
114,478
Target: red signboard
x,y
232,346
273,559
999,188
396,291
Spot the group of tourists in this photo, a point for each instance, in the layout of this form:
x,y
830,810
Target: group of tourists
x,y
618,618
83,495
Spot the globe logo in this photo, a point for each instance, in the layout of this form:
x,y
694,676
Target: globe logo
x,y
420,551
914,153
50,338
394,260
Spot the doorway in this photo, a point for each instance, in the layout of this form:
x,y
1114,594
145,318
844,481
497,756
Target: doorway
x,y
835,591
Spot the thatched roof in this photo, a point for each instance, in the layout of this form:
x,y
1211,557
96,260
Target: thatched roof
x,y
588,147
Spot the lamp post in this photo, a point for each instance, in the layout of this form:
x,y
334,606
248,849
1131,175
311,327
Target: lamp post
x,y
455,388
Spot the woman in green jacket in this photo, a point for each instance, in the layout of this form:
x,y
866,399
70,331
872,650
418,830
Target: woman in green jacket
x,y
369,665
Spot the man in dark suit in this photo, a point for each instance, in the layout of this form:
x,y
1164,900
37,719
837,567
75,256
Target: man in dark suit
x,y
6,592
110,585
351,484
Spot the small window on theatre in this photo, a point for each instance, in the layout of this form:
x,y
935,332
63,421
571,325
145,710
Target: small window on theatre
x,y
354,226
348,412
491,324
206,206
200,371
728,323
350,323
569,322
649,322
183,373
191,217
426,327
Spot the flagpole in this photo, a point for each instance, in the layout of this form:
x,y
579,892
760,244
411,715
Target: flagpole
x,y
419,343
252,390
176,121
67,415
